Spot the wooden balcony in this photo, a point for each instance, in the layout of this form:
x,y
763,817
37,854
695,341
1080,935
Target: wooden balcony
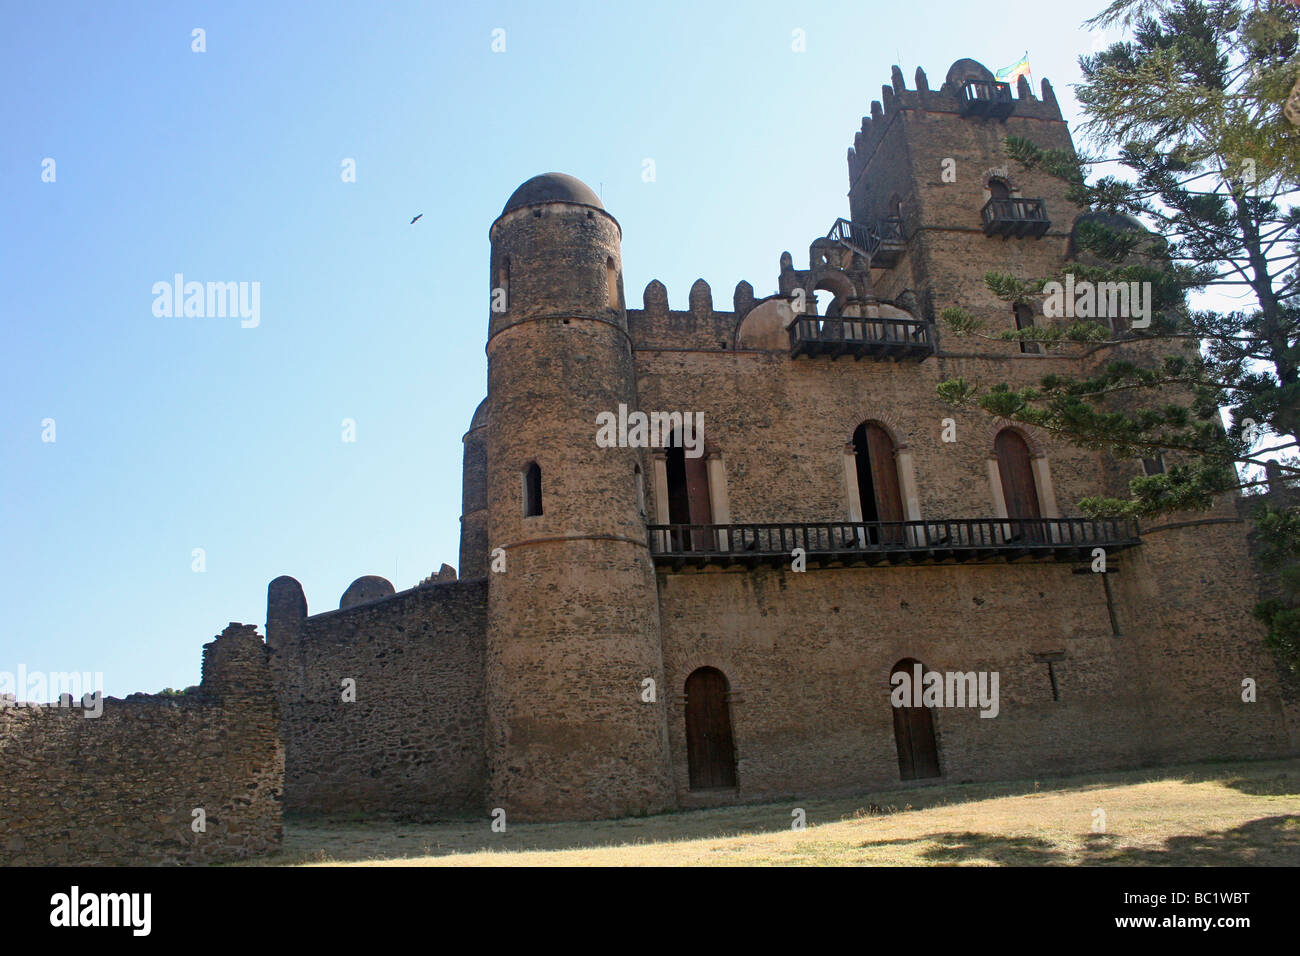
x,y
959,541
879,242
1015,217
984,98
875,338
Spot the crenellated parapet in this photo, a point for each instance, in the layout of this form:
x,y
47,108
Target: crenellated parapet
x,y
896,98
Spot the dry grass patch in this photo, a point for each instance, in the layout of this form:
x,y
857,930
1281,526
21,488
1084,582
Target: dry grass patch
x,y
1201,815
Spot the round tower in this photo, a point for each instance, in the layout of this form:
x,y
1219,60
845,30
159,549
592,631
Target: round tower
x,y
573,614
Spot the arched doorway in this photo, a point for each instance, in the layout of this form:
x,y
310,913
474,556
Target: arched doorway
x,y
710,751
1019,490
879,490
918,754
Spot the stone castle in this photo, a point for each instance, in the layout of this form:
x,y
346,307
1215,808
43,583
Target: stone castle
x,y
671,622
629,633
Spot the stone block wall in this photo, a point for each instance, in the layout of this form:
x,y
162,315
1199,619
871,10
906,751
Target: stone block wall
x,y
808,657
123,788
411,742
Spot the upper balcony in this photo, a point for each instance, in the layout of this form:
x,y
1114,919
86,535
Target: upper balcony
x,y
1015,217
877,338
985,98
959,540
879,242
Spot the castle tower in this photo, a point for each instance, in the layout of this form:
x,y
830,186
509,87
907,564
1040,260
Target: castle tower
x,y
573,620
935,160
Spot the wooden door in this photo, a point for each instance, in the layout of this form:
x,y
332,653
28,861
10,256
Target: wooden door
x,y
879,491
918,754
885,484
1018,488
698,504
688,498
710,752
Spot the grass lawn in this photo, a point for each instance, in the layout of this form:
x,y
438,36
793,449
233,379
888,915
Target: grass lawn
x,y
1214,814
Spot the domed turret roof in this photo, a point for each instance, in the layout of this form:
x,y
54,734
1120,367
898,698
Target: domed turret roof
x,y
552,187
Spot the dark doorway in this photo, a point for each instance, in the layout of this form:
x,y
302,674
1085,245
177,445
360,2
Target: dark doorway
x,y
688,497
878,485
710,751
1018,488
918,754
998,189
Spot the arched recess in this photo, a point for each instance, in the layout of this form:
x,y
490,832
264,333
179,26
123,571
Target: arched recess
x,y
877,460
1021,483
1024,316
612,284
880,491
502,289
710,746
691,491
918,751
532,490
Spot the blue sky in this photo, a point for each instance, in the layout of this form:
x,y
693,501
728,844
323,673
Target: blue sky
x,y
180,433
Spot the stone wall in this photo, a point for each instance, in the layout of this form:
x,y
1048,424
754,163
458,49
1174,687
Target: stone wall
x,y
411,742
122,788
808,658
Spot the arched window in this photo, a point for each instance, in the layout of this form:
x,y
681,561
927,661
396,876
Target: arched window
x,y
1025,320
611,282
918,754
879,491
640,490
998,189
710,750
532,490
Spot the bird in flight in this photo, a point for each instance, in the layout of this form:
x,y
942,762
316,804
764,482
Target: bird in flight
x,y
417,217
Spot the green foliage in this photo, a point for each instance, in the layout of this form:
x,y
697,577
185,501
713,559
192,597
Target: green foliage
x,y
1011,289
1278,531
1190,107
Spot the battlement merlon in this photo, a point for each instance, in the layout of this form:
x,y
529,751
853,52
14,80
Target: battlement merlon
x,y
896,98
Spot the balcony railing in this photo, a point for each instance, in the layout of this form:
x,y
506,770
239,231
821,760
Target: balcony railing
x,y
985,98
961,540
1015,217
880,241
878,338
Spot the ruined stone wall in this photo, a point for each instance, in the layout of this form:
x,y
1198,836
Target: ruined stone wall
x,y
412,741
122,788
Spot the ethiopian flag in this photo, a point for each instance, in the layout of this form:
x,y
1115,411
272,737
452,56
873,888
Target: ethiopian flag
x,y
1016,70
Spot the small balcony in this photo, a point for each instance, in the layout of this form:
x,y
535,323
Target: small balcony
x,y
875,338
985,98
879,242
877,543
1015,217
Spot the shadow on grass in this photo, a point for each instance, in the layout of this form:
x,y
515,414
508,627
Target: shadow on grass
x,y
1284,784
1270,841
